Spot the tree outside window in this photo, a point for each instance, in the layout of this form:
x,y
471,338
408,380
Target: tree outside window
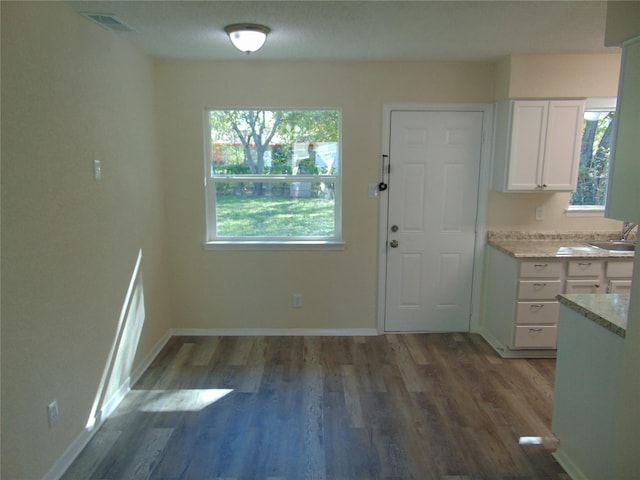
x,y
273,175
595,151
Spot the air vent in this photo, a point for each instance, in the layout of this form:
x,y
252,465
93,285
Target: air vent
x,y
108,21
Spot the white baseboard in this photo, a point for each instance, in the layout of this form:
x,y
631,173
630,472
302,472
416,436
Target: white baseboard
x,y
506,352
571,468
77,445
110,405
265,332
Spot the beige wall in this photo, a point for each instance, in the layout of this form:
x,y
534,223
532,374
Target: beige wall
x,y
564,76
237,289
71,92
550,76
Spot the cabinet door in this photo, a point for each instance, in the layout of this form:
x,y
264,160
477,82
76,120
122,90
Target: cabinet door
x,y
619,286
562,146
528,130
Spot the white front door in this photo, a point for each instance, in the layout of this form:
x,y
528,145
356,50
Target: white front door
x,y
433,201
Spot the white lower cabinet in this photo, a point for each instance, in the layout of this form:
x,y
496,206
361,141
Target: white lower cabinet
x,y
521,310
539,284
618,274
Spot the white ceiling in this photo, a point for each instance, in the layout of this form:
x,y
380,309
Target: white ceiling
x,y
363,30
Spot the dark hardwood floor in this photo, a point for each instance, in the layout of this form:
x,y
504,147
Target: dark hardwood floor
x,y
433,406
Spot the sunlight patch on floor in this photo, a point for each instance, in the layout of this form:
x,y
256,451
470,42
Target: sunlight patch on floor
x,y
180,400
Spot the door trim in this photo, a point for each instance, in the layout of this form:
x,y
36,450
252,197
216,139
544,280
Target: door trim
x,y
483,192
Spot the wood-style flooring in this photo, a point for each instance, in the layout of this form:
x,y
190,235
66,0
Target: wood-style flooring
x,y
432,406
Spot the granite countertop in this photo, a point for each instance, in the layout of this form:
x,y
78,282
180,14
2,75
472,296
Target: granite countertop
x,y
609,310
558,245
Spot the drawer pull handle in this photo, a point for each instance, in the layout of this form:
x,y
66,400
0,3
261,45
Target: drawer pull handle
x,y
536,307
538,285
540,266
584,264
535,329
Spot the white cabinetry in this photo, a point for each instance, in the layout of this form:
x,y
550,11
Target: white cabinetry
x,y
537,308
618,276
521,310
537,145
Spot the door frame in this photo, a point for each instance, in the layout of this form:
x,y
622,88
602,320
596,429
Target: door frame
x,y
481,214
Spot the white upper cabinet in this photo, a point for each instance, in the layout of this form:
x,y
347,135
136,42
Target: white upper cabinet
x,y
537,145
623,194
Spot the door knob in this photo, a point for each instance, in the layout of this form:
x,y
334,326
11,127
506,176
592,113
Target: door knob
x,y
394,228
393,243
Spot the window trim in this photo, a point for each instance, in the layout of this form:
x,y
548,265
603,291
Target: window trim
x,y
584,211
213,242
592,104
275,245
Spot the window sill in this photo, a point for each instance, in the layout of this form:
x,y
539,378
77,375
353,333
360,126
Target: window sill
x,y
276,245
584,212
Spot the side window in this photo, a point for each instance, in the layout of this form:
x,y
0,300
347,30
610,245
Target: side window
x,y
597,138
273,176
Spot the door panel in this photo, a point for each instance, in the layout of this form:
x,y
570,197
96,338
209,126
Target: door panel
x,y
410,277
412,198
433,188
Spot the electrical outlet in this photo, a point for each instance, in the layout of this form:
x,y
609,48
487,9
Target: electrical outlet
x,y
539,213
296,300
52,412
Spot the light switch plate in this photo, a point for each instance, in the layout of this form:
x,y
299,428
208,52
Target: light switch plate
x,y
97,169
52,413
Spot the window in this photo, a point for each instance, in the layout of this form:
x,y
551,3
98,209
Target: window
x,y
593,170
273,177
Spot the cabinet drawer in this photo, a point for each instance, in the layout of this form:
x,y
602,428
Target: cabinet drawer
x,y
536,337
584,286
584,268
535,313
620,269
541,269
539,290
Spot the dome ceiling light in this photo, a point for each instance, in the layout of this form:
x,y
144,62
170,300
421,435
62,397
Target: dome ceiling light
x,y
247,37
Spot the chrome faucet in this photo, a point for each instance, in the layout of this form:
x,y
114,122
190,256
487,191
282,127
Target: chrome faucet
x,y
626,230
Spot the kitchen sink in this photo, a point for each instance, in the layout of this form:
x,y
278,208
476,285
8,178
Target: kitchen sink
x,y
615,246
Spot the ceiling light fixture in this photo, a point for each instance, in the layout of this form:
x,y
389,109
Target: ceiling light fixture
x,y
247,37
